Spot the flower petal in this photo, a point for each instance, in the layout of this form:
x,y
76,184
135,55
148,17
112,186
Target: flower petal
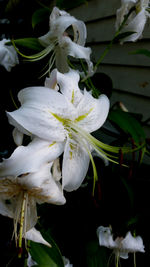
x,y
30,261
36,113
68,83
75,165
8,55
17,136
136,25
92,112
105,237
51,82
30,158
43,186
6,209
66,262
35,236
75,50
61,60
132,244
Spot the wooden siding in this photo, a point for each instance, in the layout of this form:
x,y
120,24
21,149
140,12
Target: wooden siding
x,y
130,73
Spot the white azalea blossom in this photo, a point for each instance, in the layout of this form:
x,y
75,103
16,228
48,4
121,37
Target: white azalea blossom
x,y
8,55
58,42
137,19
65,117
121,246
21,189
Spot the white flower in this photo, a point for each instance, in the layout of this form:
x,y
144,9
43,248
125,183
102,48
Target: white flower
x,y
58,42
67,262
65,117
21,189
137,19
8,55
121,246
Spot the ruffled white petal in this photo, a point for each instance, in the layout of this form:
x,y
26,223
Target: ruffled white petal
x,y
80,33
30,158
47,189
68,83
76,50
132,244
36,112
35,236
75,165
105,237
51,82
136,25
92,112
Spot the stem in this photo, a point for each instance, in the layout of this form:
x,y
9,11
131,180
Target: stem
x,y
117,261
22,224
134,257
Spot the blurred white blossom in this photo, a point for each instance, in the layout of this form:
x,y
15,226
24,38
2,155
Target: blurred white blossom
x,y
137,19
8,55
121,246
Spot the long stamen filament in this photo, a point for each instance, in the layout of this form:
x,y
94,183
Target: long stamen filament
x,y
95,175
22,216
101,145
37,56
87,137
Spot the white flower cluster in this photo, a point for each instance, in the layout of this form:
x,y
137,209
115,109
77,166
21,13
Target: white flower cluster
x,y
58,119
121,246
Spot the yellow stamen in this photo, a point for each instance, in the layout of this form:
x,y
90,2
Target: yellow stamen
x,y
58,117
72,98
80,118
52,144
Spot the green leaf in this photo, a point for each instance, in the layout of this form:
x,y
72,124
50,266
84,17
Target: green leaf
x,y
128,124
96,256
40,15
46,256
144,52
31,43
12,4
